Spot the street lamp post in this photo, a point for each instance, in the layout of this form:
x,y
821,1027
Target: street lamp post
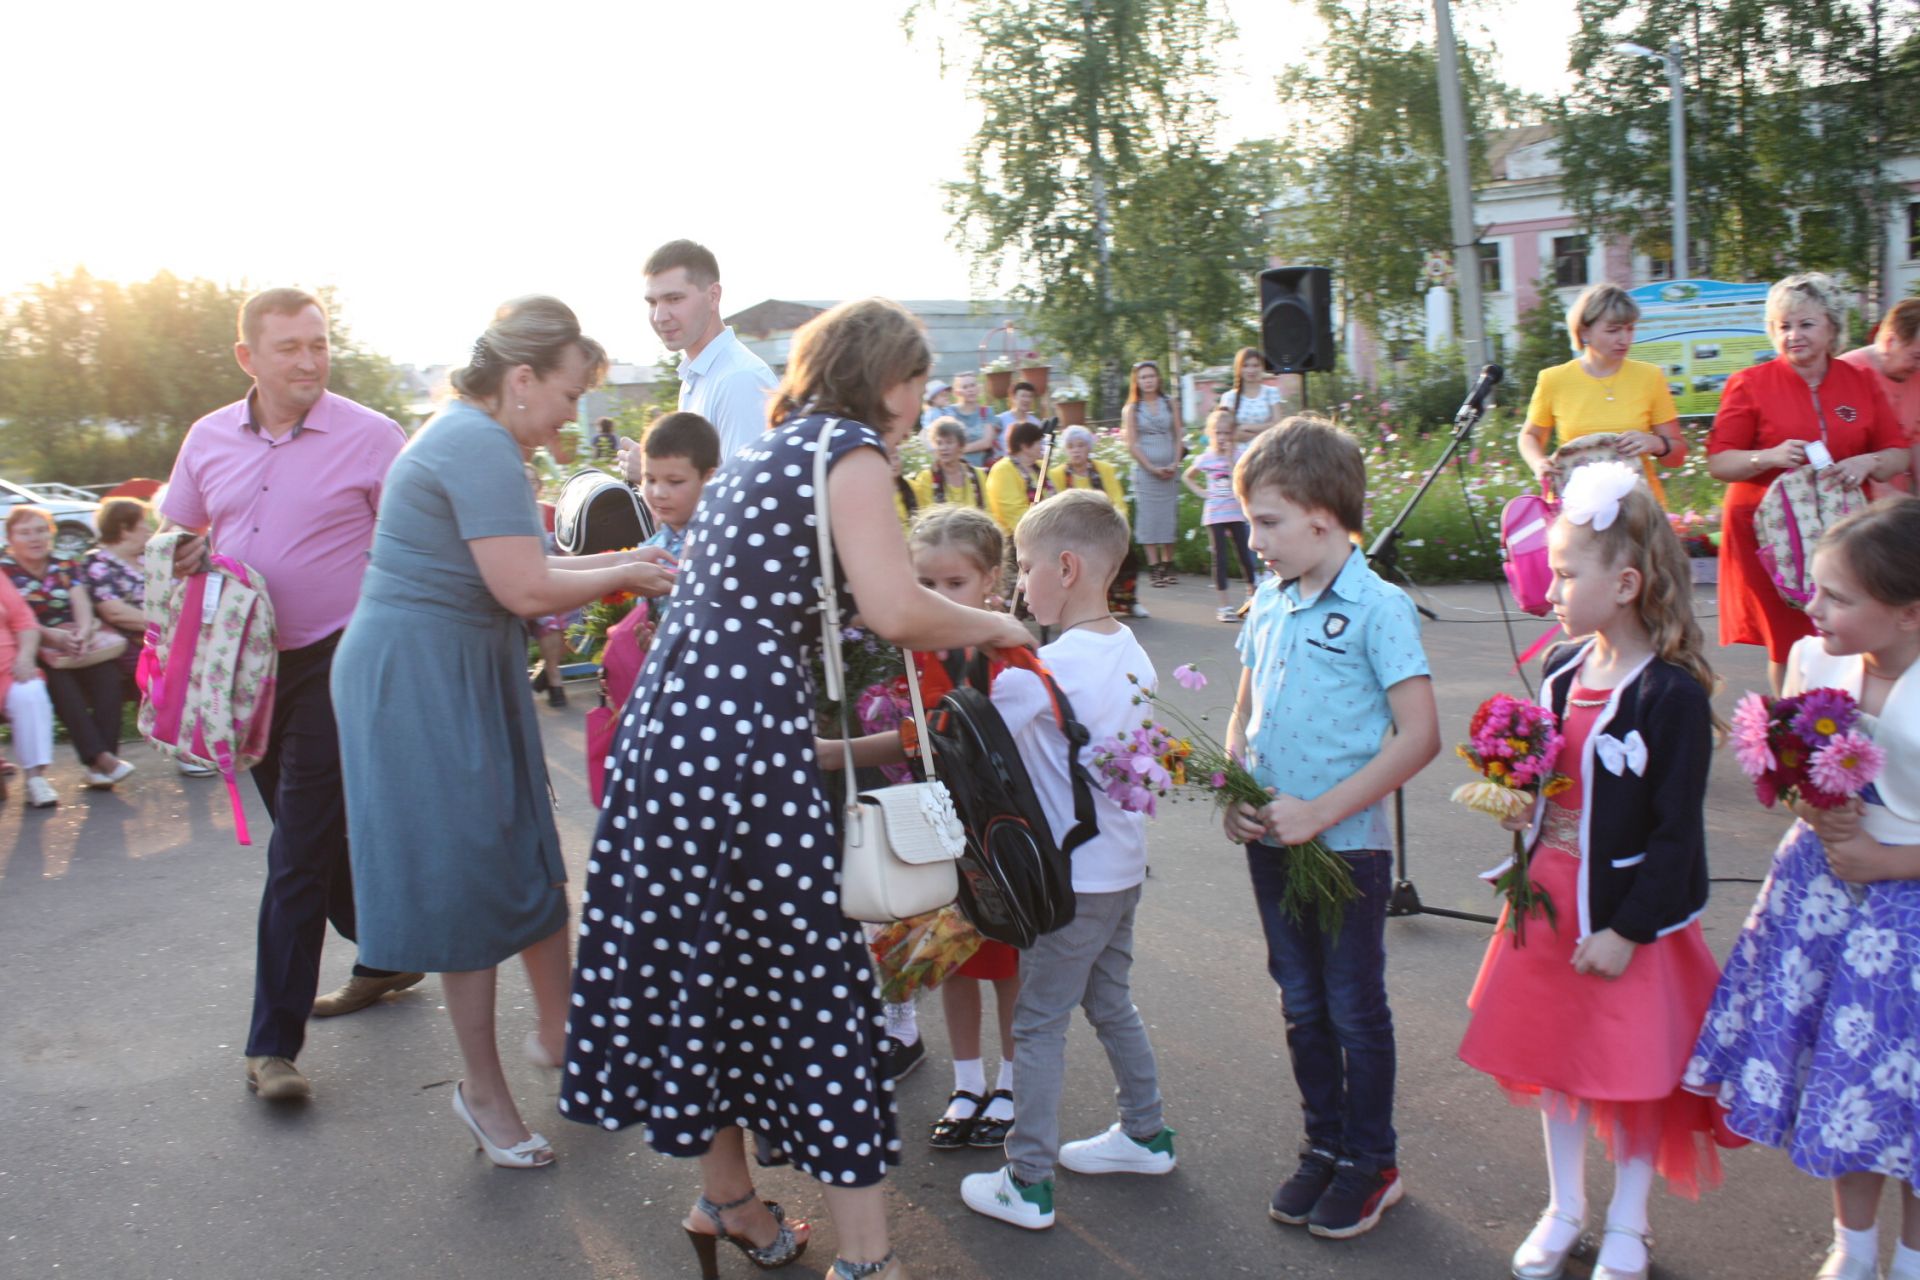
x,y
1676,141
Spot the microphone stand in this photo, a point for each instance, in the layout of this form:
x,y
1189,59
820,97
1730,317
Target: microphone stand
x,y
1384,555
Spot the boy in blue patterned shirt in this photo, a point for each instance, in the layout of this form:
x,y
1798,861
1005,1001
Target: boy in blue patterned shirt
x,y
1332,662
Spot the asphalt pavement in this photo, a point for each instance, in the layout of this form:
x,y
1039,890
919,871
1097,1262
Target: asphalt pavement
x,y
131,1148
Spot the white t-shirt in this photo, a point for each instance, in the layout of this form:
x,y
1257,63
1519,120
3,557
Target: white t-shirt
x,y
1265,402
1092,670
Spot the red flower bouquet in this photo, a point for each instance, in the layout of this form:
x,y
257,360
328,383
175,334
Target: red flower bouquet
x,y
1513,744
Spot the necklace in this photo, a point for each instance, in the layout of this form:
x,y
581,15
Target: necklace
x,y
1606,384
1587,702
1084,622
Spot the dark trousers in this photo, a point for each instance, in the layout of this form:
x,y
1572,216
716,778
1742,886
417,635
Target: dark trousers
x,y
1333,994
308,880
1231,536
87,700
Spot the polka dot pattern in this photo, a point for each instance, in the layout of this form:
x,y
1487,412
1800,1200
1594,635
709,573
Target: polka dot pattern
x,y
717,981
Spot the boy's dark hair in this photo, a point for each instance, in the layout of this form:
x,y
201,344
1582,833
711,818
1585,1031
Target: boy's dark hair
x,y
1313,463
1024,434
603,425
684,435
702,267
1018,387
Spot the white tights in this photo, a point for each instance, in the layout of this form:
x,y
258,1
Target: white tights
x,y
31,713
1567,1193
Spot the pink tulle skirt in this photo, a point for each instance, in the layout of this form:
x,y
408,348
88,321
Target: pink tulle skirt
x,y
1611,1051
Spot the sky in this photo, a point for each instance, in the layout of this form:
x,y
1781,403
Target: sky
x,y
431,158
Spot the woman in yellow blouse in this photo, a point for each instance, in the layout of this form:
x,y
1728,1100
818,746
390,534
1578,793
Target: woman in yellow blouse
x,y
1013,481
1082,470
951,479
1602,390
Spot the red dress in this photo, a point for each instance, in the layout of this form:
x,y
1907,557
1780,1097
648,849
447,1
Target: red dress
x,y
1766,405
1614,1048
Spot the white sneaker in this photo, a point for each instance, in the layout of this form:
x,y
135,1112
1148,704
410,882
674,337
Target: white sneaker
x,y
40,793
997,1195
193,769
97,781
1115,1152
1140,611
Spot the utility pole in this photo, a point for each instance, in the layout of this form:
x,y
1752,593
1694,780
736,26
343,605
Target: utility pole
x,y
1102,226
1676,143
1466,253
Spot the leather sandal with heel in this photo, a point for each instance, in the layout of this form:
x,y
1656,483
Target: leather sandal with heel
x,y
784,1248
885,1269
989,1131
950,1133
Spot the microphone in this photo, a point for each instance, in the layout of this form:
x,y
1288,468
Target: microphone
x,y
1476,401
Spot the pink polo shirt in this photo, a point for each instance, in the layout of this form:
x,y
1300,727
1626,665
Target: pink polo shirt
x,y
299,509
1904,399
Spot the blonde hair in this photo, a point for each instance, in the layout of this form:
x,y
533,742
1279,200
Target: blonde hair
x,y
1313,464
1597,305
1221,415
947,429
968,530
845,360
536,331
1641,538
1807,286
1080,521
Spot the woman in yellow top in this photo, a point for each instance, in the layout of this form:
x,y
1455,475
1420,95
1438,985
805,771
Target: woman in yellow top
x,y
1602,390
951,479
1012,482
1082,470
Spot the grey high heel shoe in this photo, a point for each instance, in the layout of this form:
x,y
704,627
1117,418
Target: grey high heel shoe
x,y
784,1248
1531,1262
1615,1273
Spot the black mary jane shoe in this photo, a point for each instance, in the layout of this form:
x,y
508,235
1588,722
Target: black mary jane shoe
x,y
951,1134
989,1132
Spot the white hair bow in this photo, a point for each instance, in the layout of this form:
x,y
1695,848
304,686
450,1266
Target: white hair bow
x,y
1594,493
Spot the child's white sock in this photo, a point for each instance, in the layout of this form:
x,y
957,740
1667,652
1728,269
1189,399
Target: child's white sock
x,y
902,1024
1906,1262
1002,1108
1864,1243
969,1076
1632,1185
1005,1080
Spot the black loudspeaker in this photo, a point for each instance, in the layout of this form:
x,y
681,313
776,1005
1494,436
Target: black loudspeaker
x,y
1296,319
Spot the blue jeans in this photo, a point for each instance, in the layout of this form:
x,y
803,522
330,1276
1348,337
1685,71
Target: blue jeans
x,y
1333,993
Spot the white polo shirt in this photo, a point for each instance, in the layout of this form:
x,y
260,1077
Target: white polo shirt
x,y
727,385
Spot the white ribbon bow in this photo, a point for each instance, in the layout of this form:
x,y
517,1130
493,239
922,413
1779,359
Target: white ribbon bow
x,y
1620,756
1594,492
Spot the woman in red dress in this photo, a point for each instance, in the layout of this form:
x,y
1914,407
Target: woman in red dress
x,y
1773,417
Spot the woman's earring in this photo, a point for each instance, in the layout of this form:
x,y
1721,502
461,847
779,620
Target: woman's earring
x,y
520,406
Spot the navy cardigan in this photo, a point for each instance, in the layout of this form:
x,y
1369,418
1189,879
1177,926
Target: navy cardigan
x,y
1643,834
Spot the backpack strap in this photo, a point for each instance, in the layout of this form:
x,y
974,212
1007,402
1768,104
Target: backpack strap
x,y
1086,823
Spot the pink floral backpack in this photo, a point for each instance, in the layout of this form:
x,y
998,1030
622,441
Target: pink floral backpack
x,y
207,673
1793,511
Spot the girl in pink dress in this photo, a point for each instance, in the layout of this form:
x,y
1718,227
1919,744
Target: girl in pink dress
x,y
1593,1019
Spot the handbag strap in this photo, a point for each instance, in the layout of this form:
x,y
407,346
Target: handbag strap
x,y
830,620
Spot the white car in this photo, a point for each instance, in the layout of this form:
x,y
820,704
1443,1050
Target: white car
x,y
73,531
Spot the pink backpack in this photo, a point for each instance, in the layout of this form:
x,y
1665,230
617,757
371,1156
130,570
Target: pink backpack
x,y
620,665
207,673
1524,522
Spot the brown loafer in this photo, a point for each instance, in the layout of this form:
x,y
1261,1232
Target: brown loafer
x,y
361,992
277,1080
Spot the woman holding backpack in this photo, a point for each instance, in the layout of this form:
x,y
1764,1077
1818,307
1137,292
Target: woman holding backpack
x,y
1802,408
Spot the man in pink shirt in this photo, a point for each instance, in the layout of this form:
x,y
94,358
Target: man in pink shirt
x,y
288,481
1894,358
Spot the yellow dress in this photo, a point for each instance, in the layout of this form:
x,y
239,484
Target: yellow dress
x,y
1574,403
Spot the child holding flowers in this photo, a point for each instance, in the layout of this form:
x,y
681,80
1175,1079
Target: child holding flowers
x,y
1333,659
1590,1016
1813,1039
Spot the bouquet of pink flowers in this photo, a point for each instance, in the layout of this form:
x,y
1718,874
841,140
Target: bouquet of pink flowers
x,y
1804,748
1143,766
1513,744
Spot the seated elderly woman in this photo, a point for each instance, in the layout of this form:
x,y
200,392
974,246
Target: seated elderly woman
x,y
23,697
86,694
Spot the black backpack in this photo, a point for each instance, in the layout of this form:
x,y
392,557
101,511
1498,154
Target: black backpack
x,y
599,512
1015,882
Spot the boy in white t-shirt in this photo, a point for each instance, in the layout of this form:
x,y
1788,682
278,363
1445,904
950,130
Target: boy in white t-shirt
x,y
1069,549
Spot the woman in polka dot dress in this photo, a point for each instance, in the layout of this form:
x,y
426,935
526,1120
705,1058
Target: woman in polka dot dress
x,y
718,986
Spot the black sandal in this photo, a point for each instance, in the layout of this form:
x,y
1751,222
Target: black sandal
x,y
988,1131
951,1134
785,1247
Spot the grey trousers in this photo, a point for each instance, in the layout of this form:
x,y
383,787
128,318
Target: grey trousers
x,y
1086,964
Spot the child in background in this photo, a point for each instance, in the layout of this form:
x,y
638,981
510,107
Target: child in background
x,y
951,478
1333,660
1811,1039
682,451
1068,549
1015,482
1221,513
1592,1020
957,552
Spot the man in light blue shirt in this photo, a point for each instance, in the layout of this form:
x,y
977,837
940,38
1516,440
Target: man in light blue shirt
x,y
720,379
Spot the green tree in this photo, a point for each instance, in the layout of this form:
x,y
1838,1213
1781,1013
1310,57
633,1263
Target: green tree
x,y
1794,112
1079,98
1367,194
1540,342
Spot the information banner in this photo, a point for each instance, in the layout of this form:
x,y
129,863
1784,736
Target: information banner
x,y
1700,332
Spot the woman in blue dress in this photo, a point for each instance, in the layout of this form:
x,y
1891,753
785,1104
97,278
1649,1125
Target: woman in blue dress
x,y
456,862
1813,1038
719,988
